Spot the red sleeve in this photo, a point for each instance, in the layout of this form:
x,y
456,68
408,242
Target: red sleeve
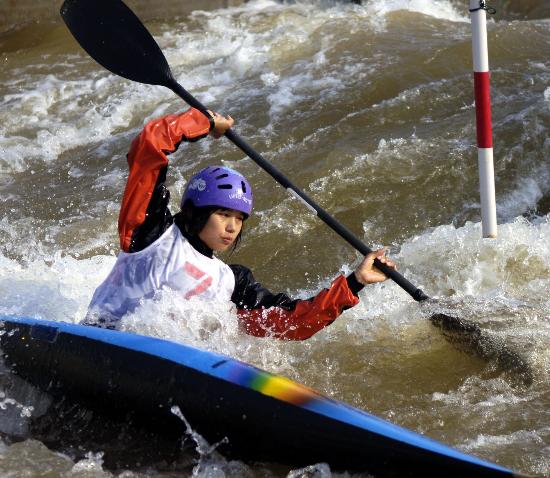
x,y
147,157
307,318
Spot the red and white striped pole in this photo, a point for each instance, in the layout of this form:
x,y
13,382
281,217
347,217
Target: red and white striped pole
x,y
478,10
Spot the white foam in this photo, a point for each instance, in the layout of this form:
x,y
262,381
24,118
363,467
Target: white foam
x,y
295,88
91,465
227,46
459,261
25,411
172,317
56,288
441,9
65,114
524,198
447,261
521,437
482,396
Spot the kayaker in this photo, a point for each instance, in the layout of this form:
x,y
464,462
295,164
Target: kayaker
x,y
161,250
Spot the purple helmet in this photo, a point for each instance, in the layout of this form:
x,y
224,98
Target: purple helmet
x,y
219,186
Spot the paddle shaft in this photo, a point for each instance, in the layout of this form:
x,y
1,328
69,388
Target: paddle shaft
x,y
416,293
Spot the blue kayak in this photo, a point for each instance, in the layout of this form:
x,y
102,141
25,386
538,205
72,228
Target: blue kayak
x,y
264,417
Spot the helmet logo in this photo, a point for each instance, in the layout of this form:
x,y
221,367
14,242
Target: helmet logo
x,y
240,195
198,184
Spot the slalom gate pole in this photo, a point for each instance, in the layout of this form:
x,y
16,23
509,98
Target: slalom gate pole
x,y
478,12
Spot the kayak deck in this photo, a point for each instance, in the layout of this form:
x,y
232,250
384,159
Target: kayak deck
x,y
262,416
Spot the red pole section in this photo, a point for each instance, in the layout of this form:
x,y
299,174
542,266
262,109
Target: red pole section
x,y
483,118
483,109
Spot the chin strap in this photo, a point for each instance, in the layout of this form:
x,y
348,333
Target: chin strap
x,y
483,6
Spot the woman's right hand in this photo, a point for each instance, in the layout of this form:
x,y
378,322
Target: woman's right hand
x,y
221,124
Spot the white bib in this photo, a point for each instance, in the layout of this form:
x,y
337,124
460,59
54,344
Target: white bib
x,y
171,262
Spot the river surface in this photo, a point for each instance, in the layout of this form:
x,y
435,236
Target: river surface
x,y
369,109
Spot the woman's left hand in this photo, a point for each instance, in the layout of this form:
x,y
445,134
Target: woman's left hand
x,y
367,273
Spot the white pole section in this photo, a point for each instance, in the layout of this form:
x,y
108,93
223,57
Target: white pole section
x,y
478,11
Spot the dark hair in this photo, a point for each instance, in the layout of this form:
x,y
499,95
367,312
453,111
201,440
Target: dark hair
x,y
193,219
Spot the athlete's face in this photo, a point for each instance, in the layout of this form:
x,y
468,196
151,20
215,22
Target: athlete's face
x,y
222,228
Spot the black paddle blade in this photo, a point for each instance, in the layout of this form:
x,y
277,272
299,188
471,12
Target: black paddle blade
x,y
115,37
472,339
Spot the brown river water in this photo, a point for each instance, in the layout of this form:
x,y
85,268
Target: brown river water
x,y
369,109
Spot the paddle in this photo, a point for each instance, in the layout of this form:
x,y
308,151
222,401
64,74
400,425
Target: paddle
x,y
115,37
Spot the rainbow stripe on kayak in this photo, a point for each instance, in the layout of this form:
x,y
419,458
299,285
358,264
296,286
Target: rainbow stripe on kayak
x,y
271,385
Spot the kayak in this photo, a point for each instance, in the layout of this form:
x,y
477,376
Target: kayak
x,y
255,414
